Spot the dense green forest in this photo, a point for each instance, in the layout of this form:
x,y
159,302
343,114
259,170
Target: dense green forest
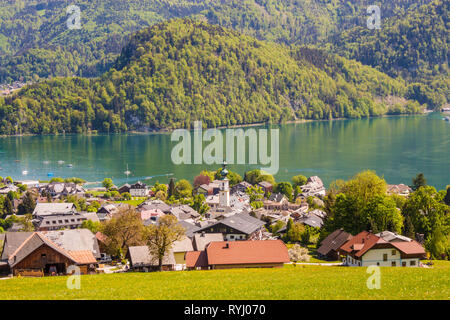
x,y
414,46
35,42
179,71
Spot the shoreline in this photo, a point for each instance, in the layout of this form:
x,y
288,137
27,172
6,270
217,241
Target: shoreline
x,y
258,124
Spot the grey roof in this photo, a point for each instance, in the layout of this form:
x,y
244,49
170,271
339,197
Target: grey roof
x,y
156,204
91,216
190,228
33,242
183,245
69,240
43,209
140,257
60,221
392,237
201,240
12,241
75,240
183,212
242,222
312,220
277,197
333,241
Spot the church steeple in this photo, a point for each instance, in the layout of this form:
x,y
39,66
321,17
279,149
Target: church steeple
x,y
224,193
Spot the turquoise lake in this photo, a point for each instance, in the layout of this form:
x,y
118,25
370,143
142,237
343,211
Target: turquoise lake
x,y
395,147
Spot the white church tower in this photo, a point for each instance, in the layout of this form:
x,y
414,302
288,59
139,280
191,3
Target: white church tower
x,y
224,192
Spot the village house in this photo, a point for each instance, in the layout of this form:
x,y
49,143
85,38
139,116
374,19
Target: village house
x,y
367,249
202,239
58,221
237,227
179,249
239,254
184,212
209,189
50,253
314,187
141,260
59,189
329,247
266,187
139,189
124,189
240,187
399,189
47,209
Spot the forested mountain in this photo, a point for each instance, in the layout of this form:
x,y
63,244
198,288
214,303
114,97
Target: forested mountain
x,y
413,46
36,43
179,71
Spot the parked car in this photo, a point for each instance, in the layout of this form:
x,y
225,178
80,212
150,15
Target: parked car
x,y
105,258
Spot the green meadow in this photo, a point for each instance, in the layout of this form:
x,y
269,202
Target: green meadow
x,y
289,282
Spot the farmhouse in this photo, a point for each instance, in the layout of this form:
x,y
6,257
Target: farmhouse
x,y
239,254
50,253
367,249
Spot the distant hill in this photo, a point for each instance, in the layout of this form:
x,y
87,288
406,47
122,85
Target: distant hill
x,y
414,46
35,42
179,71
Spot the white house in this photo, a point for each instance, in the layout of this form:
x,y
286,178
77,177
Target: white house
x,y
366,249
139,189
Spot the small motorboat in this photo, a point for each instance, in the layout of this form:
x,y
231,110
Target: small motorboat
x,y
50,174
60,162
24,172
70,165
447,118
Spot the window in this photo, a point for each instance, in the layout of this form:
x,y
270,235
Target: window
x,y
412,263
394,252
378,263
43,256
403,263
385,257
393,264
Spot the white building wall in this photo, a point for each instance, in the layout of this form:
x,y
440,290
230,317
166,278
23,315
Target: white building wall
x,y
375,257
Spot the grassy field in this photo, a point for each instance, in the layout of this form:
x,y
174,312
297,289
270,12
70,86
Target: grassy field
x,y
289,282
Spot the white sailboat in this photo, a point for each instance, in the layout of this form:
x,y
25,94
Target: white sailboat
x,y
128,172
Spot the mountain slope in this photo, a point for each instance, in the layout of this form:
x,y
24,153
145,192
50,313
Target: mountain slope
x,y
35,42
179,71
413,46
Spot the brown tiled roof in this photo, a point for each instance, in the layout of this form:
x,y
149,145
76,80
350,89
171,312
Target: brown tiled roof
x,y
196,259
334,240
247,252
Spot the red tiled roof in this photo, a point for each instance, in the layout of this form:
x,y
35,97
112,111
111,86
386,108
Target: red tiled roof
x,y
247,252
196,259
412,247
361,243
83,256
348,246
101,237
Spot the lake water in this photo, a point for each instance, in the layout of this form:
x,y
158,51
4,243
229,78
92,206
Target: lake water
x,y
396,147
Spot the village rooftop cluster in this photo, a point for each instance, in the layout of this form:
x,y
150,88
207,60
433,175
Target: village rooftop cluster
x,y
239,226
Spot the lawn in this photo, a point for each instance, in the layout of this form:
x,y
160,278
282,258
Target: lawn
x,y
289,282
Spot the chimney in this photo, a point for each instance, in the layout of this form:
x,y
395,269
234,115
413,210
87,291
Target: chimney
x,y
227,246
202,234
